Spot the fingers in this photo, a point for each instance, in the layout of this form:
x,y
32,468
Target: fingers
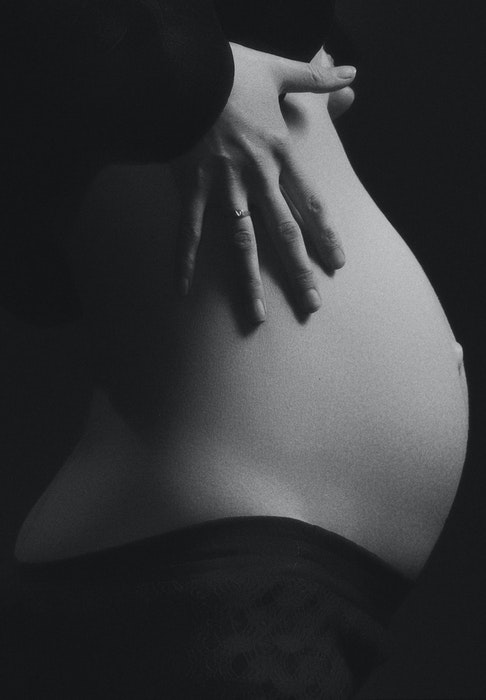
x,y
313,211
279,220
288,239
244,241
340,102
317,76
190,229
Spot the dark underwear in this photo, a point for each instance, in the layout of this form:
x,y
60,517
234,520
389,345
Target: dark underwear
x,y
246,607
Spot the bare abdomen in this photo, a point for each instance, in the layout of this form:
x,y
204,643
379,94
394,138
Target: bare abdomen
x,y
354,419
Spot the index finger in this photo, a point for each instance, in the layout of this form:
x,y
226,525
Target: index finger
x,y
317,76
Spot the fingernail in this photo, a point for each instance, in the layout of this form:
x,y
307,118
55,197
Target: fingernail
x,y
345,72
312,300
258,311
184,286
337,258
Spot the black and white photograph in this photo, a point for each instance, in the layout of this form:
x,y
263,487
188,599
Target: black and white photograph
x,y
242,313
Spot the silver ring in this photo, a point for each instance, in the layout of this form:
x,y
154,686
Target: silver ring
x,y
240,213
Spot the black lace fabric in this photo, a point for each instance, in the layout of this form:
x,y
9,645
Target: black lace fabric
x,y
281,635
257,608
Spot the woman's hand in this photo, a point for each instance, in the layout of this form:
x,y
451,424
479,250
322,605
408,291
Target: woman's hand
x,y
248,158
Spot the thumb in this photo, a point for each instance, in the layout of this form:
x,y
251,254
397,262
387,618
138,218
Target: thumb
x,y
317,76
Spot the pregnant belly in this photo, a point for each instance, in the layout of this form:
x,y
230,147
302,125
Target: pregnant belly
x,y
354,419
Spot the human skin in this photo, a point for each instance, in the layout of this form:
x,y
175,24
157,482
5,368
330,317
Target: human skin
x,y
247,152
354,419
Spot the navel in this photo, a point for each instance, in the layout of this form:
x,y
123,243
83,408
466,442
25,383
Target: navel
x,y
459,356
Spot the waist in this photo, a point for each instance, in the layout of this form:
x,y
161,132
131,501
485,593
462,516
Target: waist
x,y
354,419
383,490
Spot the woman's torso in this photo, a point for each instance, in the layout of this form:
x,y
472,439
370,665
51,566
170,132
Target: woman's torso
x,y
354,419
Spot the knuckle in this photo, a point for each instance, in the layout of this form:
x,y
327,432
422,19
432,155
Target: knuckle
x,y
200,173
254,287
222,162
279,142
188,259
288,230
249,145
243,239
267,190
314,204
195,178
330,238
314,75
304,278
259,162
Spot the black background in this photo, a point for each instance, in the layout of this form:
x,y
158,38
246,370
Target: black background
x,y
416,138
